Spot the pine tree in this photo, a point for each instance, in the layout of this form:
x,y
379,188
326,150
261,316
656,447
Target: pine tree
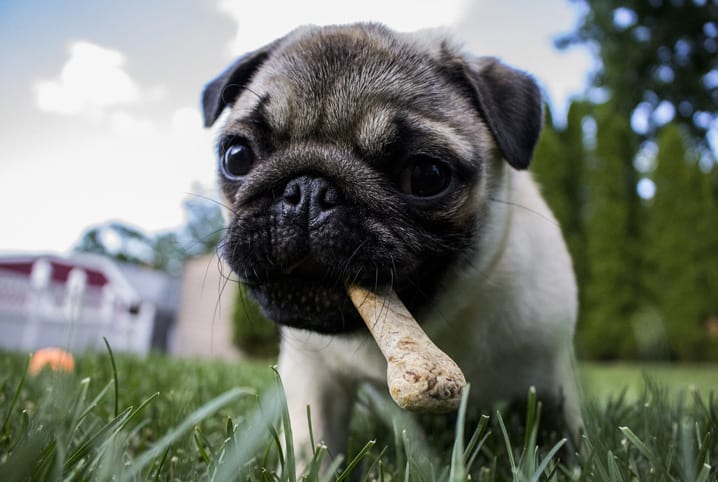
x,y
575,154
682,248
612,285
550,166
558,166
707,260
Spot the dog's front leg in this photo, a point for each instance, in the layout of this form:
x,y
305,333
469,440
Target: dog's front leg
x,y
309,382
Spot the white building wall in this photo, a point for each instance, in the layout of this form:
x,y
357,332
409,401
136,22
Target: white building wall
x,y
204,328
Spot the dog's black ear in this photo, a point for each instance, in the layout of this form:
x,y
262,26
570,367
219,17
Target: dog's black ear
x,y
227,86
510,103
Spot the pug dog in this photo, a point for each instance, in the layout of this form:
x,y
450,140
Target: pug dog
x,y
358,155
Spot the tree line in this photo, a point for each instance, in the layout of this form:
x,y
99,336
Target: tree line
x,y
632,179
647,265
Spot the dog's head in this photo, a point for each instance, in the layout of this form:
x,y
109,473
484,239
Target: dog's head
x,y
357,155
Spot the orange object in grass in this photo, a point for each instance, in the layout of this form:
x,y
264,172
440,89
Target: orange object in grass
x,y
56,358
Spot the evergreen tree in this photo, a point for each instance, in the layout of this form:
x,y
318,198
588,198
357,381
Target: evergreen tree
x,y
612,285
575,154
558,166
655,57
709,232
682,248
551,168
706,259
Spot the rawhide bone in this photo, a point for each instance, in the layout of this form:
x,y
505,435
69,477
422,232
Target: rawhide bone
x,y
420,376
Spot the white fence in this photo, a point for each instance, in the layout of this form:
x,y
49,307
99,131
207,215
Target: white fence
x,y
36,312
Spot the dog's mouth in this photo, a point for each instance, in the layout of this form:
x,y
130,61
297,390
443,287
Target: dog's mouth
x,y
307,295
307,304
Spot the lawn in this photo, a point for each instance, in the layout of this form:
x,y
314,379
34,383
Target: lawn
x,y
170,419
601,381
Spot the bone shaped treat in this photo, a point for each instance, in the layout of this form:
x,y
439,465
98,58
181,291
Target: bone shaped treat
x,y
420,376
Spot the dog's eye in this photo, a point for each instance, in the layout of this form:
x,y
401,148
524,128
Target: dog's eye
x,y
425,176
237,161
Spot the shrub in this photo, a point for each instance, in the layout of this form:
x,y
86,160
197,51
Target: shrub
x,y
254,334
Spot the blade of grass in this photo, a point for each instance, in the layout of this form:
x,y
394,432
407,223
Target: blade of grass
x,y
332,469
507,443
398,447
201,442
252,439
704,473
476,452
275,437
528,460
44,462
78,404
474,442
11,407
316,463
531,420
290,468
156,478
410,453
311,430
230,427
377,460
108,458
94,439
114,376
458,471
138,410
642,448
544,463
355,460
91,406
704,446
613,470
687,450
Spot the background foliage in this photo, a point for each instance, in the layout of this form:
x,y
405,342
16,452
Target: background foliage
x,y
252,332
647,264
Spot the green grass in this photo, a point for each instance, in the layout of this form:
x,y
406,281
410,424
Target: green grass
x,y
168,419
600,380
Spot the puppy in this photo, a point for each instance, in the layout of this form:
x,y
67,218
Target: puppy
x,y
358,155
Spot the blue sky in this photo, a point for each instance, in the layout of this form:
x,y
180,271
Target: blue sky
x,y
100,98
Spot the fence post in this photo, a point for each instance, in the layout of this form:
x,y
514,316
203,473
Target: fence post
x,y
36,301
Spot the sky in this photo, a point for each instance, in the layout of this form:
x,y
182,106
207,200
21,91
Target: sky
x,y
101,98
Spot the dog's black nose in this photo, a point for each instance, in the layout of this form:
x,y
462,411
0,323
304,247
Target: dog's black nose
x,y
310,198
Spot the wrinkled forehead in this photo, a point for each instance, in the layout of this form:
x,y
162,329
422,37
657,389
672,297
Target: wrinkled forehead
x,y
330,83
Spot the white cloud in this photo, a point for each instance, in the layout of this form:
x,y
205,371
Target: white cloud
x,y
128,170
186,120
92,80
261,22
126,125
